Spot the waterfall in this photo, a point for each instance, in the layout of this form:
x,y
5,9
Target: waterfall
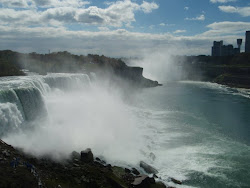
x,y
22,99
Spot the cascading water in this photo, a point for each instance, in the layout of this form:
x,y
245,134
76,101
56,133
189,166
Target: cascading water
x,y
22,98
65,112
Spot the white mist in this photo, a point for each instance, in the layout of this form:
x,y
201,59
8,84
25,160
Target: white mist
x,y
95,118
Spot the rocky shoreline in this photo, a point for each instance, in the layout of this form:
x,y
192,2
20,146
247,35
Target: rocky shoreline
x,y
79,170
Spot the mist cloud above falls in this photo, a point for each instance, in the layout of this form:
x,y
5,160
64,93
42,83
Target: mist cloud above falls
x,y
96,118
160,65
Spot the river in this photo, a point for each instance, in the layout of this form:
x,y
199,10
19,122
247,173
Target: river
x,y
196,132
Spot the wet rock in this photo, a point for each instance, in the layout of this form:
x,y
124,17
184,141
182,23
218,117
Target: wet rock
x,y
76,160
76,165
75,155
135,171
87,156
147,168
161,185
114,183
142,181
5,153
118,171
155,176
84,179
98,159
176,181
127,170
109,167
77,180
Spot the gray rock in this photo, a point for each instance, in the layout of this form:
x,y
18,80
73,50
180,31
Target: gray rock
x,y
6,153
135,171
75,155
155,176
87,156
84,179
176,181
147,168
142,181
127,170
75,165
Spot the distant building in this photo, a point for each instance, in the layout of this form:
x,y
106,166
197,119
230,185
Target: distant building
x,y
239,43
219,49
247,44
216,49
227,50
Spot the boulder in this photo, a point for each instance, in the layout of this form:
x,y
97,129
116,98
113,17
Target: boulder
x,y
176,181
75,155
143,181
135,171
147,168
127,170
87,156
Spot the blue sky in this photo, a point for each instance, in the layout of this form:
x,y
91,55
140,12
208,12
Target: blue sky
x,y
121,28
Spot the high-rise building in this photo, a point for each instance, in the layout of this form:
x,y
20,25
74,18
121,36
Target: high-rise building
x,y
217,47
227,50
247,44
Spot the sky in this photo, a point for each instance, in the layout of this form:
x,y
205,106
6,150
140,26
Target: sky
x,y
123,28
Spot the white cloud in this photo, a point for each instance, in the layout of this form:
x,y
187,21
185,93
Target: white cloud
x,y
10,16
119,42
180,31
60,3
222,1
62,14
117,14
103,28
148,7
243,11
198,18
14,3
32,29
227,28
186,8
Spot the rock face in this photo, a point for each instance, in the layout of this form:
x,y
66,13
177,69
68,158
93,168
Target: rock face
x,y
87,156
75,155
134,75
18,169
149,169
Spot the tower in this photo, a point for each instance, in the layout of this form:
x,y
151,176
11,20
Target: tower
x,y
239,43
247,45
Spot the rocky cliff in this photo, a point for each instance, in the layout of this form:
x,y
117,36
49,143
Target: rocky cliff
x,y
70,63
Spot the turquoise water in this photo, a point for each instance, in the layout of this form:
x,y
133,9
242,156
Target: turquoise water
x,y
201,133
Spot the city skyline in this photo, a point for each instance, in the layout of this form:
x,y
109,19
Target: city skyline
x,y
122,28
